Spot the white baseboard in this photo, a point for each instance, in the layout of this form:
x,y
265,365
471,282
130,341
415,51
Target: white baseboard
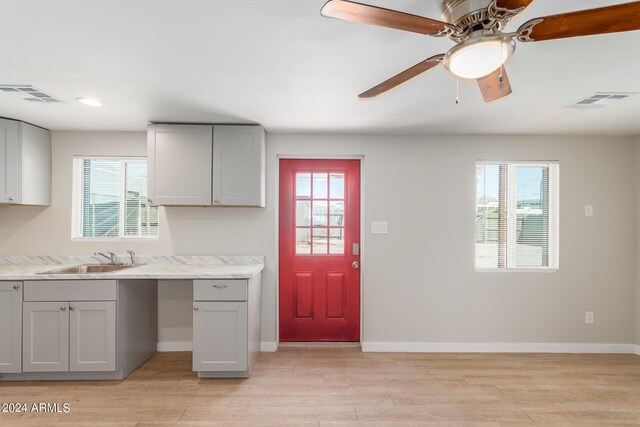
x,y
169,346
427,347
269,346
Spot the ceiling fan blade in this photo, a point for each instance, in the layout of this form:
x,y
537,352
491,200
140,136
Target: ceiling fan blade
x,y
611,19
491,88
357,12
398,79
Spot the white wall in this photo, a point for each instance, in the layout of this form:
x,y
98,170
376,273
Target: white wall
x,y
419,280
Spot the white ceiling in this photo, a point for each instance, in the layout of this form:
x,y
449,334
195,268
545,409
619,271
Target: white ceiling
x,y
279,63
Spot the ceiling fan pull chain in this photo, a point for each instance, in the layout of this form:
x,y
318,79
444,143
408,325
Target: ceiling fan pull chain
x,y
457,90
501,76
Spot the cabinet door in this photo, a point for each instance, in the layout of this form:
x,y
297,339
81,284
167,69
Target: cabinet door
x,y
219,336
179,164
45,337
10,327
239,166
9,160
92,336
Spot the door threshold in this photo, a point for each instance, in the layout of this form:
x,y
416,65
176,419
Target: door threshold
x,y
319,344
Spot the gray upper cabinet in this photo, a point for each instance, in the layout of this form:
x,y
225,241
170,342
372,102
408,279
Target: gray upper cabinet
x,y
206,165
10,327
25,164
239,165
179,164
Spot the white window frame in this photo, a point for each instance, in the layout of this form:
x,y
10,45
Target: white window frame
x,y
76,201
554,215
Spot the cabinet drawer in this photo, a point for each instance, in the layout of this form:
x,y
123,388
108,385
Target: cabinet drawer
x,y
70,290
220,290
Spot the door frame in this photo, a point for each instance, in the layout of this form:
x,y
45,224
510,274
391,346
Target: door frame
x,y
277,221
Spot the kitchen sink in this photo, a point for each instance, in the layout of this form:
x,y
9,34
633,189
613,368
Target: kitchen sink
x,y
91,269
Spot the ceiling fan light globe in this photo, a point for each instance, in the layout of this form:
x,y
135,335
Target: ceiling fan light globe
x,y
479,56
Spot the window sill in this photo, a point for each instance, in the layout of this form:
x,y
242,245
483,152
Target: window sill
x,y
517,270
113,239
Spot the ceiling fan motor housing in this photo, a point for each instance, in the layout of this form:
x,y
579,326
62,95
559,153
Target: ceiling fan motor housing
x,y
469,16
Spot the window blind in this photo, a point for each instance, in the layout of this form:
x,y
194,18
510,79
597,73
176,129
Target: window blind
x,y
516,215
110,199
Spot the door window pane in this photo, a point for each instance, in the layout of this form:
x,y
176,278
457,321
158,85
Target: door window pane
x,y
303,213
336,241
303,240
320,241
320,213
336,214
336,186
303,186
320,184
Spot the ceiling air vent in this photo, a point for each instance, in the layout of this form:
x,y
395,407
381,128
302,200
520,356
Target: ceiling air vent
x,y
601,99
29,93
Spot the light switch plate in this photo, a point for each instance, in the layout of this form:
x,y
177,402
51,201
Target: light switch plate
x,y
378,227
588,211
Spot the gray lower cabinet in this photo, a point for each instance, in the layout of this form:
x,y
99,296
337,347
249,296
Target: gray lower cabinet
x,y
226,327
69,336
92,336
76,329
46,337
220,336
10,327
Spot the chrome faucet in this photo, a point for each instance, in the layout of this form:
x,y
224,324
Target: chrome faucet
x,y
113,258
132,255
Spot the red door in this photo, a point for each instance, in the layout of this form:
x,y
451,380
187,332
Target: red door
x,y
319,250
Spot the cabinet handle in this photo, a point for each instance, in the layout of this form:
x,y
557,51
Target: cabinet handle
x,y
16,286
11,199
216,201
221,286
71,308
195,308
63,308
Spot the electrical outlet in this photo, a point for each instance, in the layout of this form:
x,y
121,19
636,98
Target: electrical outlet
x,y
588,211
588,317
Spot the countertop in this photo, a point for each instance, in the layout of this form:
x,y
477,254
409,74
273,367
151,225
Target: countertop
x,y
151,267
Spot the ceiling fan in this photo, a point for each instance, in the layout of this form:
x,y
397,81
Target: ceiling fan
x,y
478,29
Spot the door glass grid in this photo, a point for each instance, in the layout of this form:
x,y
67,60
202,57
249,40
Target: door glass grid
x,y
319,216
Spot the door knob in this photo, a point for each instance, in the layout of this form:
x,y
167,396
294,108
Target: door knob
x,y
63,308
195,308
355,264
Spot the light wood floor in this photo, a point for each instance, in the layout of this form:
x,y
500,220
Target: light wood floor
x,y
342,386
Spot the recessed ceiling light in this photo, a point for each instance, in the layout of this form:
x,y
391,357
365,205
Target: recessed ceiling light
x,y
90,102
